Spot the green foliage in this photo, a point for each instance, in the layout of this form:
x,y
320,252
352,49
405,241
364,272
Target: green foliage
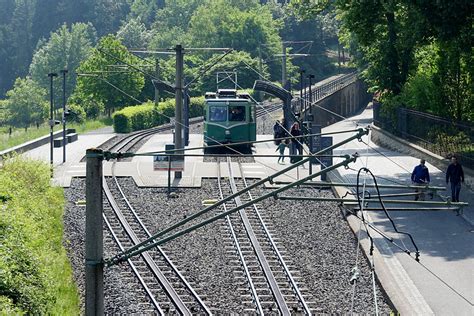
x,y
225,25
88,103
76,113
26,103
65,49
134,34
146,115
421,50
100,86
35,273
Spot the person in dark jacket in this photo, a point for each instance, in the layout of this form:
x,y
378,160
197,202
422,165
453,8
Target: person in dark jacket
x,y
455,174
420,176
296,147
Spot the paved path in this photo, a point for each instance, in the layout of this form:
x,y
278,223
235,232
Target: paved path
x,y
444,276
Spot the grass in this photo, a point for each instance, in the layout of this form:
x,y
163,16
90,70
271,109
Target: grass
x,y
36,276
20,136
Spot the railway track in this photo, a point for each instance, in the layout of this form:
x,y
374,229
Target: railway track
x,y
271,282
166,290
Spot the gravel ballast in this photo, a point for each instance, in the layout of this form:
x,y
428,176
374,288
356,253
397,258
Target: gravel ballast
x,y
315,235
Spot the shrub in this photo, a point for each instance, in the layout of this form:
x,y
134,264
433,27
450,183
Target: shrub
x,y
138,117
35,274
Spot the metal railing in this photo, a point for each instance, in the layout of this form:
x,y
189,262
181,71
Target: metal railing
x,y
320,92
437,134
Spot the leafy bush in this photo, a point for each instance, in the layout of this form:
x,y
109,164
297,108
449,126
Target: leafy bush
x,y
76,113
35,275
138,117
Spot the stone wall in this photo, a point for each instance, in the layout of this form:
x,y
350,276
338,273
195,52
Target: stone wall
x,y
344,102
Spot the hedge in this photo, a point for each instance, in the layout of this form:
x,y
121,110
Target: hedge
x,y
146,115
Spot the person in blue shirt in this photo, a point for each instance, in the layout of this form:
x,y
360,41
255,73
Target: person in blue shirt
x,y
420,176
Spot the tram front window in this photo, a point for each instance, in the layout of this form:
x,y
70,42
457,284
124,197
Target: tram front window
x,y
236,113
217,113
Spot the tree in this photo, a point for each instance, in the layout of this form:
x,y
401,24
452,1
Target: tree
x,y
26,103
216,24
391,39
134,34
65,49
101,80
172,22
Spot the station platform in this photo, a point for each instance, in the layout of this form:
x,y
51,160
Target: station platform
x,y
141,167
442,283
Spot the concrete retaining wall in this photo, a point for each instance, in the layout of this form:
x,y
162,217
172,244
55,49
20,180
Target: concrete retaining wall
x,y
33,143
345,102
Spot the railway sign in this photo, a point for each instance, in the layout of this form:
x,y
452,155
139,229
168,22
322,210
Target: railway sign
x,y
326,161
163,162
315,142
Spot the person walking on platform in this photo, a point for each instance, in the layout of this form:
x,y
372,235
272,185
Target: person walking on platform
x,y
296,146
277,132
420,176
455,174
281,147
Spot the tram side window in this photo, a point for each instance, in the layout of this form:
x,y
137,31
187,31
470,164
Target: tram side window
x,y
217,113
236,113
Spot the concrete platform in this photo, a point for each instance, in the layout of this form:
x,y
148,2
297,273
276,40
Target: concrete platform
x,y
442,283
141,167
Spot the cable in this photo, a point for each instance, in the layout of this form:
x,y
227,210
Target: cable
x,y
417,253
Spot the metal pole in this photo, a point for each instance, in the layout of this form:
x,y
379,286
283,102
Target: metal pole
x,y
310,96
304,101
51,120
64,72
169,175
94,234
157,92
283,66
302,71
179,104
260,70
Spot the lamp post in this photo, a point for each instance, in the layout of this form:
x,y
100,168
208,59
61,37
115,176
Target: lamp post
x,y
64,72
51,118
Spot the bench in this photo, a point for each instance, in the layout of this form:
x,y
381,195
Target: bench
x,y
72,137
58,142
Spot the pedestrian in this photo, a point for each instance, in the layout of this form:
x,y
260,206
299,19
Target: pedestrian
x,y
455,174
277,132
281,147
296,146
420,176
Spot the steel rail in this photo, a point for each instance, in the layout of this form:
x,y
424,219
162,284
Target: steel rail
x,y
239,250
134,268
277,294
270,179
168,288
151,242
160,250
275,249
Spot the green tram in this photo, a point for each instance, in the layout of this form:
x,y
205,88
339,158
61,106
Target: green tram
x,y
229,118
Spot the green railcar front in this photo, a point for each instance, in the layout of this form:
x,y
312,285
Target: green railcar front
x,y
229,120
